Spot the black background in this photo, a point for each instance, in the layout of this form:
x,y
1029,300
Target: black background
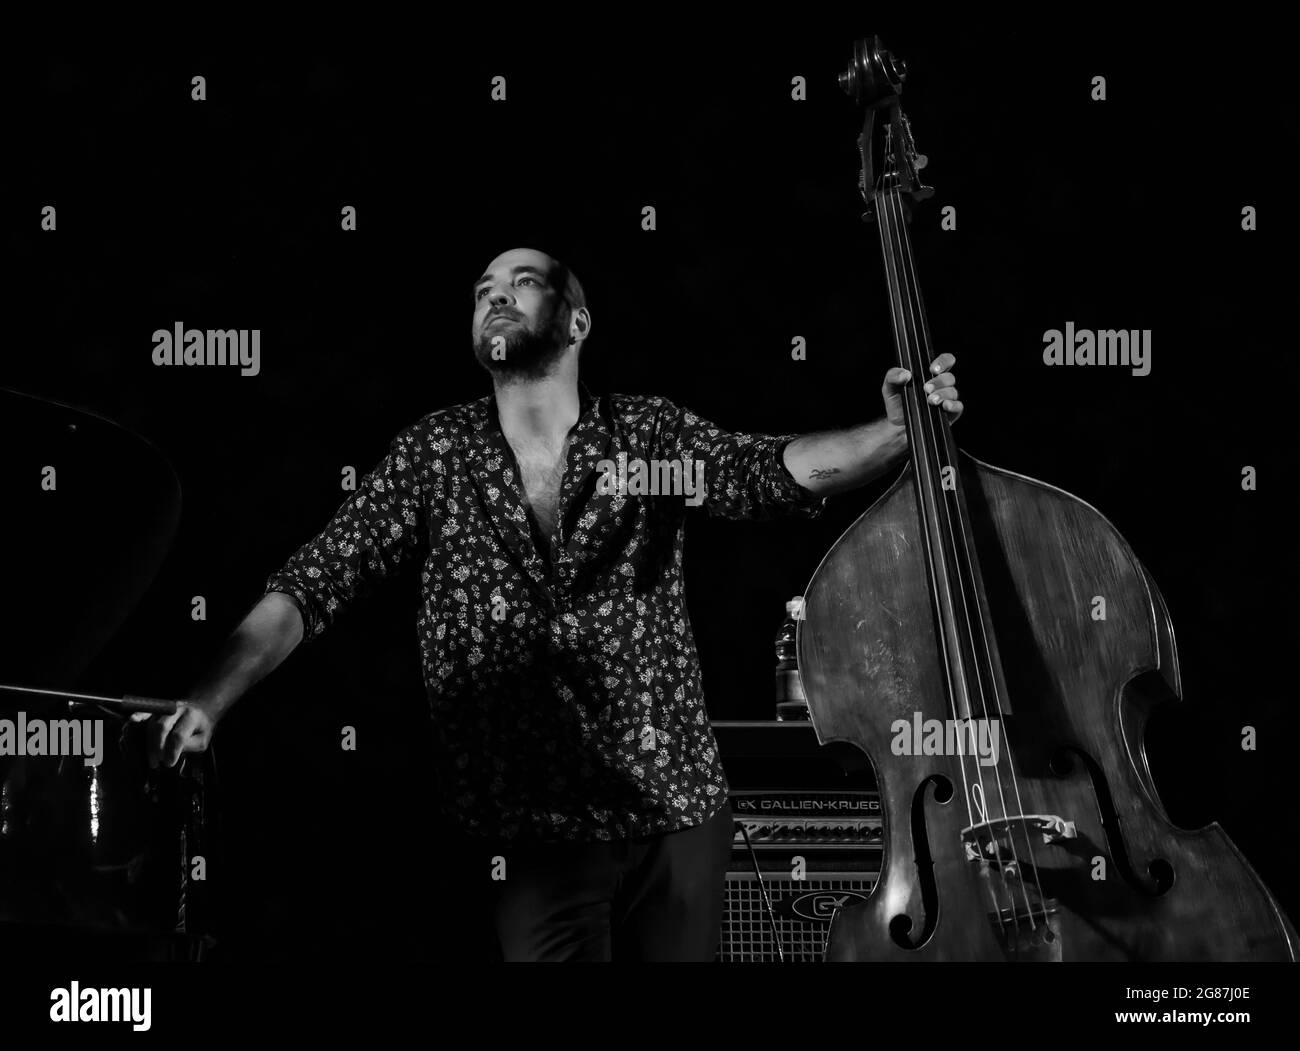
x,y
225,214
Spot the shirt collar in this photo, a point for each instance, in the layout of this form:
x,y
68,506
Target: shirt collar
x,y
485,414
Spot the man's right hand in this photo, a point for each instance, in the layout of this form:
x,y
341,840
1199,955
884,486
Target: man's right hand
x,y
266,635
188,729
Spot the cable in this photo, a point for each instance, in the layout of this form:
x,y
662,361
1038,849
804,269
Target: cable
x,y
762,889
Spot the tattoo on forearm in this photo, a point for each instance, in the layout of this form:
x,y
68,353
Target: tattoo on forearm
x,y
823,472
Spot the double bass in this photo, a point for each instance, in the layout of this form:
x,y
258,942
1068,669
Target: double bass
x,y
963,599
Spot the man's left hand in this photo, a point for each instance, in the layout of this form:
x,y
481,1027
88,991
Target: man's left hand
x,y
940,389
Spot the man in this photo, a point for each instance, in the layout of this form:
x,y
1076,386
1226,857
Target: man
x,y
574,750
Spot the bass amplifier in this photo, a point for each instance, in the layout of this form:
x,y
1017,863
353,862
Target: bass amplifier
x,y
814,851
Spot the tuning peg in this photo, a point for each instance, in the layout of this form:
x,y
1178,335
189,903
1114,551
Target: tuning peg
x,y
921,161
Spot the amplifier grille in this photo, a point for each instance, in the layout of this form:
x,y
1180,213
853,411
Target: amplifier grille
x,y
802,909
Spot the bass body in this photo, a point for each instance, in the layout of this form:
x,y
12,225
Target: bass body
x,y
1077,686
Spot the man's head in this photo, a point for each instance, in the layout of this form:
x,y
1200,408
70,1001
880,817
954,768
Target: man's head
x,y
530,312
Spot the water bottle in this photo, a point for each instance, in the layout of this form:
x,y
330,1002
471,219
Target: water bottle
x,y
791,703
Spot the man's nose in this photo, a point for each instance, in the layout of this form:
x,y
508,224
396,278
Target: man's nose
x,y
499,298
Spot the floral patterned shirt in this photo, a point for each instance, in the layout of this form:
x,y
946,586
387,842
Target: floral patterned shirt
x,y
564,683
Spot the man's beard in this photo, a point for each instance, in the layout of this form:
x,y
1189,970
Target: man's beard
x,y
528,354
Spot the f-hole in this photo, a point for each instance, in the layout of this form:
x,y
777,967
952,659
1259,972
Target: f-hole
x,y
900,926
1160,874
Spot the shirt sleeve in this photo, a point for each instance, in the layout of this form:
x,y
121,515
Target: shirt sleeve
x,y
376,532
744,475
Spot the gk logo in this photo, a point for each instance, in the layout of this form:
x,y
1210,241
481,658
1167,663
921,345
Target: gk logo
x,y
821,905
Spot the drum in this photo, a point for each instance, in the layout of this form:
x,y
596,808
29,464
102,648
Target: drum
x,y
111,855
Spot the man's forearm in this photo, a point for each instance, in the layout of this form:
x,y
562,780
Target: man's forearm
x,y
831,462
263,639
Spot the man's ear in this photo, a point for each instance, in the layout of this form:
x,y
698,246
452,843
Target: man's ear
x,y
579,325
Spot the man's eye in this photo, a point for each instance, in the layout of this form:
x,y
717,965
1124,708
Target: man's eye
x,y
479,293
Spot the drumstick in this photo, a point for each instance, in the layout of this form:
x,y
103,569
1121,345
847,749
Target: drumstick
x,y
127,703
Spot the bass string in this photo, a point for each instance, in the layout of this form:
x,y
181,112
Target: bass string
x,y
1020,822
924,465
959,536
925,468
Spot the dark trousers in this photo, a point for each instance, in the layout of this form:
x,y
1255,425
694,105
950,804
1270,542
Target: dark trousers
x,y
656,898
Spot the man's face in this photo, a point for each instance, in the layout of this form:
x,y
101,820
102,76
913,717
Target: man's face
x,y
521,322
